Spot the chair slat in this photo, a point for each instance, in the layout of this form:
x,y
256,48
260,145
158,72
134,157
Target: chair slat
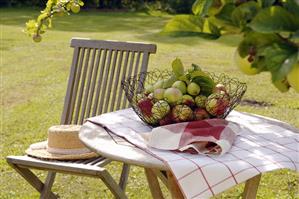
x,y
87,92
76,84
67,111
123,75
124,100
96,160
117,83
81,90
104,83
109,84
99,83
144,65
93,84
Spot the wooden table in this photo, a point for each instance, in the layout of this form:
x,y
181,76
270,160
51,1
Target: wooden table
x,y
98,140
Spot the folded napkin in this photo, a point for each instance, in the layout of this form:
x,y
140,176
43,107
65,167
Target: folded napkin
x,y
212,136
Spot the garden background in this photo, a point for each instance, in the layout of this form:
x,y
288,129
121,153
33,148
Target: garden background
x,y
34,78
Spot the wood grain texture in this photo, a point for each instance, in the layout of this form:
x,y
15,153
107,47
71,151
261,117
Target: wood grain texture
x,y
153,184
251,187
173,187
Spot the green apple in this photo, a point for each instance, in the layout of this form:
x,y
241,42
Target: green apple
x,y
160,109
200,101
193,89
159,93
159,84
148,89
244,65
173,95
75,8
293,77
182,113
188,100
283,86
180,85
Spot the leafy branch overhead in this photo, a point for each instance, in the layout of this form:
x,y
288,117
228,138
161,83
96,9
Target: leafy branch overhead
x,y
53,8
270,30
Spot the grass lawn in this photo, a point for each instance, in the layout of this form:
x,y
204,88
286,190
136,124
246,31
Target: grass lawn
x,y
34,78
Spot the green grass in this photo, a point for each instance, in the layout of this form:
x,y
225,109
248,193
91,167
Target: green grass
x,y
33,84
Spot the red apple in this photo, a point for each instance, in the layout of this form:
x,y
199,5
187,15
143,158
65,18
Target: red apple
x,y
201,114
182,113
217,104
188,100
145,105
166,120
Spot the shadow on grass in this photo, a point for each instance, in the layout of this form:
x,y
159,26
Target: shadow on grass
x,y
145,27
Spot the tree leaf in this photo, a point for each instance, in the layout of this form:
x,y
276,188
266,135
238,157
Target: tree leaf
x,y
226,12
266,3
177,67
190,25
244,13
274,19
279,59
256,40
292,6
184,23
214,29
201,7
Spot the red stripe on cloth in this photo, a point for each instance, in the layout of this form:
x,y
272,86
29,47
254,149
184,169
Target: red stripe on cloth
x,y
199,168
203,128
232,175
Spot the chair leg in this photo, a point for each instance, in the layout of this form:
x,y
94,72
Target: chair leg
x,y
251,187
32,179
153,184
124,176
112,185
48,185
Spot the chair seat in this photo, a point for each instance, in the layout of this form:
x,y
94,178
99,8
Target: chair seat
x,y
89,167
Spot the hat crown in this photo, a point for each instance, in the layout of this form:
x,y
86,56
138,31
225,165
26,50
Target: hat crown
x,y
64,137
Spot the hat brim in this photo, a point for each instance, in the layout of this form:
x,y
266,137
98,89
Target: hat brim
x,y
42,153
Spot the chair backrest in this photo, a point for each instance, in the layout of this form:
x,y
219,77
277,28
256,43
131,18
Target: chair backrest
x,y
94,85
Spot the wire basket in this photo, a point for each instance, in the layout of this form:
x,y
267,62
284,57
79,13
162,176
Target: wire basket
x,y
156,112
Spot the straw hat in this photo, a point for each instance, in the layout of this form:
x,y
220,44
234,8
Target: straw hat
x,y
63,144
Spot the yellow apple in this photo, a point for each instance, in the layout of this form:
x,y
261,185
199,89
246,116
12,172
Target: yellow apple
x,y
244,65
293,77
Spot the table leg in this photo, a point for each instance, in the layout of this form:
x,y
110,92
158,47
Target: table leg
x,y
153,184
173,187
251,187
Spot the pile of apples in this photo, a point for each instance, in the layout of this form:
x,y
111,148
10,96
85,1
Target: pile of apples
x,y
184,96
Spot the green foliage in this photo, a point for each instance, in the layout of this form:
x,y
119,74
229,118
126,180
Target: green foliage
x,y
270,30
34,85
275,19
37,27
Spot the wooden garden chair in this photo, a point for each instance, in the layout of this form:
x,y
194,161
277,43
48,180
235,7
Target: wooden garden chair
x,y
94,87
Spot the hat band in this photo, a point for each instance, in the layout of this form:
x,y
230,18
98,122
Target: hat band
x,y
68,151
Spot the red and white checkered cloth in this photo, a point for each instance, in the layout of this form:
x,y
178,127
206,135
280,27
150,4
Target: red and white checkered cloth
x,y
211,136
263,145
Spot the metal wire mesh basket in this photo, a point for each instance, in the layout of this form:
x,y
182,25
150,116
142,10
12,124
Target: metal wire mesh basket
x,y
156,112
